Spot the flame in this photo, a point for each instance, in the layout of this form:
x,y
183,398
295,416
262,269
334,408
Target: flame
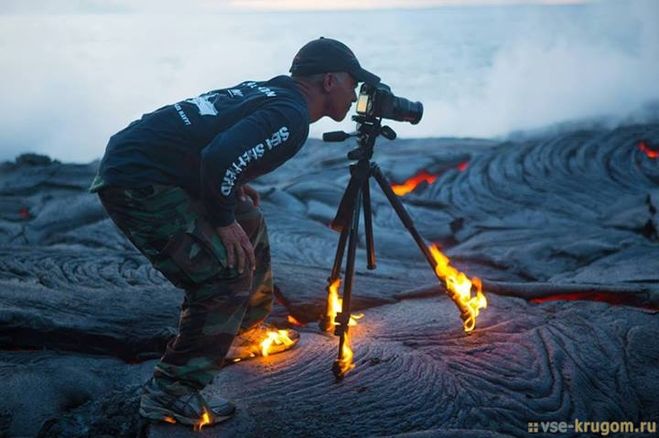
x,y
459,287
411,183
334,307
335,304
169,420
291,320
651,153
274,337
204,420
345,363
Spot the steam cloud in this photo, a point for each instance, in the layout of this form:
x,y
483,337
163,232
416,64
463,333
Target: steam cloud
x,y
70,81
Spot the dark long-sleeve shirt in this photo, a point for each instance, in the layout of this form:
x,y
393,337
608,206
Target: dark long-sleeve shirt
x,y
211,143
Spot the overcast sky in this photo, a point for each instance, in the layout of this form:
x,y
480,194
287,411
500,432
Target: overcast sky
x,y
191,6
74,72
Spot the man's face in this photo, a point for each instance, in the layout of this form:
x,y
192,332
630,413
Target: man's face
x,y
342,94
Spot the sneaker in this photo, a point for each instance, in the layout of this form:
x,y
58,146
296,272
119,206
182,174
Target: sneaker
x,y
261,340
187,407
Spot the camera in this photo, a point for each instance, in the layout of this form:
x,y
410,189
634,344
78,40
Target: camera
x,y
379,101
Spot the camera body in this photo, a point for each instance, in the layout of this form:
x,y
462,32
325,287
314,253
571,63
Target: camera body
x,y
379,101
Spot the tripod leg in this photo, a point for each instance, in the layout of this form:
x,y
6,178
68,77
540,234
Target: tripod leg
x,y
340,250
467,304
385,185
344,213
368,226
326,323
344,362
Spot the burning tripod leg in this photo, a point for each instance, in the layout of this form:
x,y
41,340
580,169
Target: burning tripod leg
x,y
333,321
347,222
333,283
343,364
458,286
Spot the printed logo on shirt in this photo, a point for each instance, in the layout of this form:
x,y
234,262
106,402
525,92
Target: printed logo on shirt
x,y
240,164
265,90
182,114
235,92
204,104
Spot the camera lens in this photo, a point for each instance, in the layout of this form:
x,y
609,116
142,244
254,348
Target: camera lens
x,y
405,111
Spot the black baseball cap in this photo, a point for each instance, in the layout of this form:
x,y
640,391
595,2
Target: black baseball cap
x,y
327,55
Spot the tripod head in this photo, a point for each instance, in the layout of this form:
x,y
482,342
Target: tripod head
x,y
368,130
376,102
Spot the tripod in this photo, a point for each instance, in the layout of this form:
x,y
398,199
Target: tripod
x,y
357,196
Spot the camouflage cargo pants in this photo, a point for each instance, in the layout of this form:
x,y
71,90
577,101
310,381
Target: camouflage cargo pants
x,y
169,228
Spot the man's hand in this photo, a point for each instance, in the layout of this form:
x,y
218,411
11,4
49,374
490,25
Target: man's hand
x,y
246,190
239,248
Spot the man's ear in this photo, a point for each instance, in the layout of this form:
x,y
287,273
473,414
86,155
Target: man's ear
x,y
328,82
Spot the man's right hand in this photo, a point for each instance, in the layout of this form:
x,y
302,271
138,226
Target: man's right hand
x,y
239,248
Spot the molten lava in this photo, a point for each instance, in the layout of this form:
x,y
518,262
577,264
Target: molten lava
x,y
412,183
423,176
204,420
604,297
651,153
278,337
459,287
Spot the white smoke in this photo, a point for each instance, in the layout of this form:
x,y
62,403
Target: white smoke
x,y
68,82
548,75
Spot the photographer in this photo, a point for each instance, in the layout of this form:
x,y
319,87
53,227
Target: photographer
x,y
174,183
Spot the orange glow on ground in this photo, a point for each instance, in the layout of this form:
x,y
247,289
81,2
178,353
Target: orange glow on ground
x,y
650,153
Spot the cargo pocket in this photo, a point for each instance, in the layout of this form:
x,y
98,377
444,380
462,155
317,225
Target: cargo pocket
x,y
197,255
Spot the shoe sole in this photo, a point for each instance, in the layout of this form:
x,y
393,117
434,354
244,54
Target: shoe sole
x,y
158,414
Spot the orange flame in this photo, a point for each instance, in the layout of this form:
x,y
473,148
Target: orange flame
x,y
278,337
334,305
345,363
291,320
411,183
459,287
651,153
204,420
